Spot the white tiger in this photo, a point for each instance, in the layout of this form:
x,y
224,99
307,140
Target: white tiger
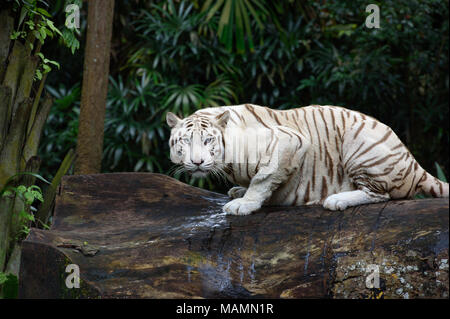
x,y
311,155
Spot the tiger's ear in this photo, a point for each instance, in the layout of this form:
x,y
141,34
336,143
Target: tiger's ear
x,y
222,119
172,120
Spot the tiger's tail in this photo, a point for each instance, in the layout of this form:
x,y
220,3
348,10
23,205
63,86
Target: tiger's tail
x,y
430,185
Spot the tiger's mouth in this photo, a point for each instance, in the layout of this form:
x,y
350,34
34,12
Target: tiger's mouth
x,y
199,173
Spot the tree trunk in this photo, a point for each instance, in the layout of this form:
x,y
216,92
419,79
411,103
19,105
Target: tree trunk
x,y
22,117
136,235
95,87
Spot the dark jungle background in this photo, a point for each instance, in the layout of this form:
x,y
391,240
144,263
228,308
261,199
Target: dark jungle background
x,y
185,55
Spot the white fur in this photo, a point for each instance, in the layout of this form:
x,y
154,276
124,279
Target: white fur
x,y
343,200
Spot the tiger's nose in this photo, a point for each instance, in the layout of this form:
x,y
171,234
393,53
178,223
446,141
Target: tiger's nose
x,y
198,162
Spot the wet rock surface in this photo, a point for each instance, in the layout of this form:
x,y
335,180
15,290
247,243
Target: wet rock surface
x,y
136,235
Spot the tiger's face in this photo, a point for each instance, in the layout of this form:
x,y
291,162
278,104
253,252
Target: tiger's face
x,y
196,142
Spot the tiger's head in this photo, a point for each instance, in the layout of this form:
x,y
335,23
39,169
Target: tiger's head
x,y
196,142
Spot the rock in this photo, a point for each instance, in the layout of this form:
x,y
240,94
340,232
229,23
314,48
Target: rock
x,y
137,235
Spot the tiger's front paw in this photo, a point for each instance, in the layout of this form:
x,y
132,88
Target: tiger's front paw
x,y
237,192
335,202
241,206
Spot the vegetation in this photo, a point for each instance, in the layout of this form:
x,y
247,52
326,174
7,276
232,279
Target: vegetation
x,y
25,26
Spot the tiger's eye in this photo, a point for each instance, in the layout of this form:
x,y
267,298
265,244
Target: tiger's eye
x,y
208,140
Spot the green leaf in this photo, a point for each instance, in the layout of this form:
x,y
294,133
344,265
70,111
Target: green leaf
x,y
30,24
21,189
25,230
45,13
46,68
440,172
43,33
15,35
247,27
52,27
225,18
29,198
37,34
23,14
213,10
54,63
38,74
254,14
3,278
240,42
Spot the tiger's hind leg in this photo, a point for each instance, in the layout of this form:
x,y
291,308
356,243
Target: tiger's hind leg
x,y
372,156
341,201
